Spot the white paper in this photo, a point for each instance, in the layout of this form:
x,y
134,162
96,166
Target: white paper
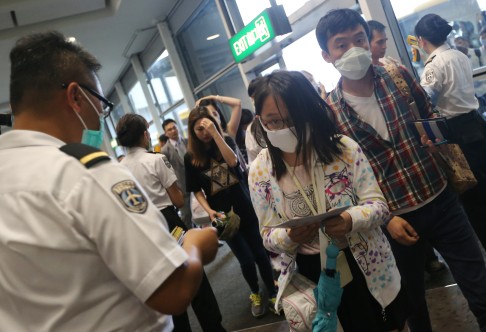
x,y
310,219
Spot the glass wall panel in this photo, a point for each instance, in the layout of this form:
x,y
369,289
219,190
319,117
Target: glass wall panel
x,y
249,9
203,43
465,16
311,61
117,113
164,82
232,85
139,103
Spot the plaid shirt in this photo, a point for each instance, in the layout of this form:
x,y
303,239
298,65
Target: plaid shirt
x,y
407,174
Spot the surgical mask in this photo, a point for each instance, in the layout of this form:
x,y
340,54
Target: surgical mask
x,y
483,42
283,139
90,137
354,64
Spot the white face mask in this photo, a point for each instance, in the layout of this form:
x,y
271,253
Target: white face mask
x,y
283,139
354,64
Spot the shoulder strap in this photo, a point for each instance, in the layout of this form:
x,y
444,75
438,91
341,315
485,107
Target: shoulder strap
x,y
87,155
397,77
403,87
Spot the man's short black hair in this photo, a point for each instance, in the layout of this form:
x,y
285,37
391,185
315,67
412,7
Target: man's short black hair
x,y
166,122
375,26
337,21
41,62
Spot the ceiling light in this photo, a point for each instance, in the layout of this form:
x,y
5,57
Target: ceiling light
x,y
213,37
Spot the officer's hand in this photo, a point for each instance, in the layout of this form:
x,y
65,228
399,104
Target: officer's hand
x,y
303,234
401,231
204,240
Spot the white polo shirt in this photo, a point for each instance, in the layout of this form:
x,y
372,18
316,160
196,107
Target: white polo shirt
x,y
153,172
80,249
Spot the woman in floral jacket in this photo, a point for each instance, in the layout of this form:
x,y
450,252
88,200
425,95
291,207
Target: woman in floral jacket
x,y
309,168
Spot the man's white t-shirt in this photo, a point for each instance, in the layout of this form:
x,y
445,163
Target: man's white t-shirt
x,y
369,111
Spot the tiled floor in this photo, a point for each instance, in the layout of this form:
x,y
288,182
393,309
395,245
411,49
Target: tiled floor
x,y
448,308
448,313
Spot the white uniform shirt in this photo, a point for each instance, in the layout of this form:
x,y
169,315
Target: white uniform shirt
x,y
252,147
154,173
447,79
80,249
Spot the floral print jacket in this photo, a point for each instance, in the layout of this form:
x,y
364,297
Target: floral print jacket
x,y
348,181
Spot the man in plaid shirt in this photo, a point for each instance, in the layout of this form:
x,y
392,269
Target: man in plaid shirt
x,y
369,108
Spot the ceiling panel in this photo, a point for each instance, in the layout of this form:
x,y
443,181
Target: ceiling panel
x,y
40,11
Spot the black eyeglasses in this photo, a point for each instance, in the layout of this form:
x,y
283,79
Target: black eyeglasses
x,y
107,105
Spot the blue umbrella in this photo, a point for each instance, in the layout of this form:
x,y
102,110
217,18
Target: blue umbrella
x,y
328,294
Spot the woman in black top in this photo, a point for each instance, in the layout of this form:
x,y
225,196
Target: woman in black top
x,y
212,166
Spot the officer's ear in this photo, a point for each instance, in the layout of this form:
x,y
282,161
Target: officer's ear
x,y
74,96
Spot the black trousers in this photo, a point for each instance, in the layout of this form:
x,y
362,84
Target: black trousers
x,y
204,302
469,131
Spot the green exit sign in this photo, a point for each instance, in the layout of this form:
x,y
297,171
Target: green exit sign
x,y
253,36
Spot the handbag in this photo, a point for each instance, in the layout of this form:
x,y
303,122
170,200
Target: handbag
x,y
449,156
299,303
452,160
227,226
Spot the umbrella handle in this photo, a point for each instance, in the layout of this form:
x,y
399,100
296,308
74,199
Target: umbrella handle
x,y
332,251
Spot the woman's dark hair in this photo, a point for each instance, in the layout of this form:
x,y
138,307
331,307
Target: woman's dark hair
x,y
252,86
196,148
212,102
338,21
308,112
246,119
130,130
433,28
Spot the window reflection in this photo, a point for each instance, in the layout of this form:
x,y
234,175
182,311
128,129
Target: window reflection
x,y
311,61
164,83
203,53
466,17
249,9
232,85
139,103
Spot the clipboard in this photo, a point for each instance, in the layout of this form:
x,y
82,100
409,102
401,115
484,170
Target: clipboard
x,y
310,219
435,128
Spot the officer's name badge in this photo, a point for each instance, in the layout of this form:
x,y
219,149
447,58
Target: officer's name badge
x,y
130,196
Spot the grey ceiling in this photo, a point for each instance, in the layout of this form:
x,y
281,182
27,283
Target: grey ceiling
x,y
109,29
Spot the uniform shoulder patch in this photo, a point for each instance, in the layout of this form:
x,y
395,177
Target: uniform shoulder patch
x,y
429,75
130,196
166,161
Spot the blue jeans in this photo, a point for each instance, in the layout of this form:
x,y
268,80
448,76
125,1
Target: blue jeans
x,y
444,224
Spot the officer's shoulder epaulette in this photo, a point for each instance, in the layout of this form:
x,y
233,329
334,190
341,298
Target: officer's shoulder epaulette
x,y
429,60
86,154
